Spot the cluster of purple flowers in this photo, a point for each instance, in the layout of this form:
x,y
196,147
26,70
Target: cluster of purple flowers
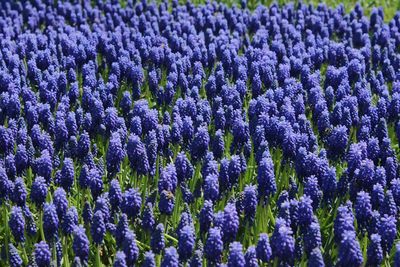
x,y
170,134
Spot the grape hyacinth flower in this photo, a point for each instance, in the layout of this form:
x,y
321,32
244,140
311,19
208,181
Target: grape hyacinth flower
x,y
98,228
374,252
166,203
14,259
131,203
214,246
17,224
230,223
39,191
42,254
387,231
251,257
50,221
250,202
263,249
80,244
350,253
120,259
186,241
130,248
282,242
315,259
149,260
170,258
157,242
236,257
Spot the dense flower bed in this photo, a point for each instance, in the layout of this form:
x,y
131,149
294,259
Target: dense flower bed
x,y
180,135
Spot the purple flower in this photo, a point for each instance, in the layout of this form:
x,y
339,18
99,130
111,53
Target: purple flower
x,y
50,221
387,231
234,170
167,202
396,262
218,144
17,224
282,242
21,159
236,257
67,174
98,228
184,169
266,177
115,154
83,145
363,209
129,247
70,220
168,179
149,260
197,259
121,229
305,211
13,257
19,193
131,203
185,220
211,188
312,237
389,205
311,189
315,259
43,166
377,196
148,220
206,216
42,254
137,155
263,249
120,259
157,241
374,252
84,177
152,149
170,258
344,221
80,244
251,257
350,253
136,126
337,141
250,202
95,182
230,223
87,213
200,144
214,246
395,189
39,191
186,239
115,194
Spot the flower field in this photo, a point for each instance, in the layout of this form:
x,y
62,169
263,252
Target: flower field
x,y
198,134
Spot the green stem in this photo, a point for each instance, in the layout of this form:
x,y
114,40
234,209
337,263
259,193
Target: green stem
x,y
140,244
65,253
98,260
270,214
41,225
26,259
158,260
171,238
5,216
